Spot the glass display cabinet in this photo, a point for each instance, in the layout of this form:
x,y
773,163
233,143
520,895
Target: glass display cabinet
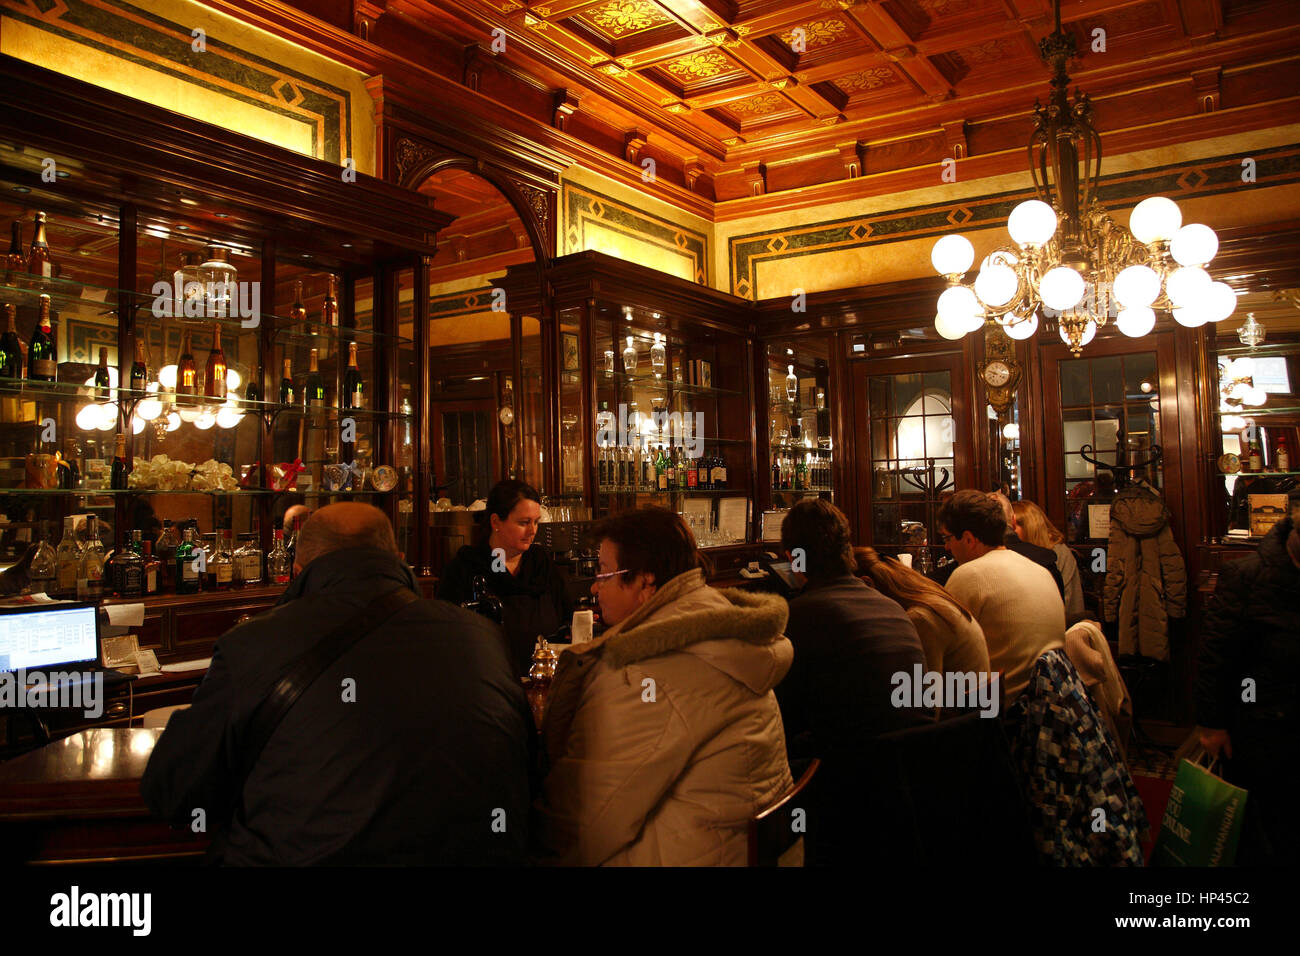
x,y
1258,361
800,447
653,397
177,361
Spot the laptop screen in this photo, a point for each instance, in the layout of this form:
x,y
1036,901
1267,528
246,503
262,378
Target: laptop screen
x,y
41,636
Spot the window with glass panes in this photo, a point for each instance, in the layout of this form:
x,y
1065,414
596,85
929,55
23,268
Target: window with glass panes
x,y
1112,404
911,454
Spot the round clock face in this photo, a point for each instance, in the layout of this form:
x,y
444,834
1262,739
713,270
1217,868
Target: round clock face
x,y
507,416
997,374
1229,464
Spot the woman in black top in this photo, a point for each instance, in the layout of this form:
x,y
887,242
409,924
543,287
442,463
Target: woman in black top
x,y
521,574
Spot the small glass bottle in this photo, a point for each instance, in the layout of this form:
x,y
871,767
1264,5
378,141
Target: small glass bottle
x,y
90,574
791,384
279,566
658,355
67,560
43,570
190,292
629,357
152,570
609,363
221,566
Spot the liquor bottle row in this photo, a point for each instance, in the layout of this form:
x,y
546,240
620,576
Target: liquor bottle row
x,y
647,468
801,471
1253,457
178,562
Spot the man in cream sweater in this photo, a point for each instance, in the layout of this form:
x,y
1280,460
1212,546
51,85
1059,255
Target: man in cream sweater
x,y
1014,599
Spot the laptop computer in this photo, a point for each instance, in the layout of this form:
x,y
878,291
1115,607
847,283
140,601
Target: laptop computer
x,y
53,637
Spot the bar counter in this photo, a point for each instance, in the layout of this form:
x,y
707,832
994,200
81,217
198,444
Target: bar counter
x,y
77,800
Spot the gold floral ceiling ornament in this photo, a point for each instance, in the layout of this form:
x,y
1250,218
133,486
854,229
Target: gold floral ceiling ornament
x,y
759,105
698,66
628,16
818,33
872,79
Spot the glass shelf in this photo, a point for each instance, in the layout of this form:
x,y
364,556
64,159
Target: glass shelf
x,y
649,381
70,391
690,493
1259,474
66,295
1265,411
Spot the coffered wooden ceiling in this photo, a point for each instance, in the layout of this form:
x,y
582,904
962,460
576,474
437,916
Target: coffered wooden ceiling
x,y
743,99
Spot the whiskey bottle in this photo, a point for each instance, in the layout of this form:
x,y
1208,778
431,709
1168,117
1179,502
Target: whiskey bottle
x,y
214,372
42,357
128,569
39,262
152,570
67,561
279,565
90,573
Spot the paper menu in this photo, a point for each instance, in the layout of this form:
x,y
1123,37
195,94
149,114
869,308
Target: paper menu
x,y
733,518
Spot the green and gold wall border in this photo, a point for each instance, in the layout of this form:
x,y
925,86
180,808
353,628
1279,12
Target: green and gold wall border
x,y
465,302
159,38
1220,175
583,206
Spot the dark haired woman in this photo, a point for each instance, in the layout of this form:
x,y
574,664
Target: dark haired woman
x,y
521,574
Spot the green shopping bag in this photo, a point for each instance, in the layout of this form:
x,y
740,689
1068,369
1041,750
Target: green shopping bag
x,y
1202,822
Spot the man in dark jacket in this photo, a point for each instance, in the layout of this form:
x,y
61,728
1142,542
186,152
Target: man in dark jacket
x,y
849,643
1247,703
411,748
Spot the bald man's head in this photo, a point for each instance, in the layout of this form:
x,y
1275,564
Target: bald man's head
x,y
348,524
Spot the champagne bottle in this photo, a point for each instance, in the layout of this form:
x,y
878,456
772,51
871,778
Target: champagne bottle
x,y
42,358
214,373
139,371
118,477
314,393
103,383
15,262
11,347
298,312
253,391
39,262
329,311
286,384
187,374
353,387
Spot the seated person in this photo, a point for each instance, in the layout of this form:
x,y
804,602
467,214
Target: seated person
x,y
1039,555
521,574
1034,527
1014,599
663,734
849,640
408,770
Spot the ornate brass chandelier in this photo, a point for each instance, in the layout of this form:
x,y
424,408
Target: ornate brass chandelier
x,y
1069,259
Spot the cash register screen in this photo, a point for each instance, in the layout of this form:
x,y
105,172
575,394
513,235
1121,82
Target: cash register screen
x,y
44,635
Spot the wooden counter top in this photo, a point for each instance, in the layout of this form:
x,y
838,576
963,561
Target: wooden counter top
x,y
77,800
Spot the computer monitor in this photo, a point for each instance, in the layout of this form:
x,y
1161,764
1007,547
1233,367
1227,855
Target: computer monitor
x,y
40,636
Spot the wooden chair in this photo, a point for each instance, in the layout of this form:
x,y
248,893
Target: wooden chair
x,y
773,837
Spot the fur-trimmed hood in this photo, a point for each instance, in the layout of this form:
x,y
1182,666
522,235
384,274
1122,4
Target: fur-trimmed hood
x,y
738,632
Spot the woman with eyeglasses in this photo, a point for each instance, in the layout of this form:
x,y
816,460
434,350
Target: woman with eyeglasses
x,y
664,735
521,574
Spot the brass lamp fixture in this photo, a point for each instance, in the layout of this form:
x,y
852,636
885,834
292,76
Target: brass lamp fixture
x,y
1069,258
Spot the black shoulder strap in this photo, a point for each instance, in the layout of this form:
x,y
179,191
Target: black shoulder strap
x,y
304,671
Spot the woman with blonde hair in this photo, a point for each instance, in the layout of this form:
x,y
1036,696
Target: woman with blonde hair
x,y
1034,526
951,638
